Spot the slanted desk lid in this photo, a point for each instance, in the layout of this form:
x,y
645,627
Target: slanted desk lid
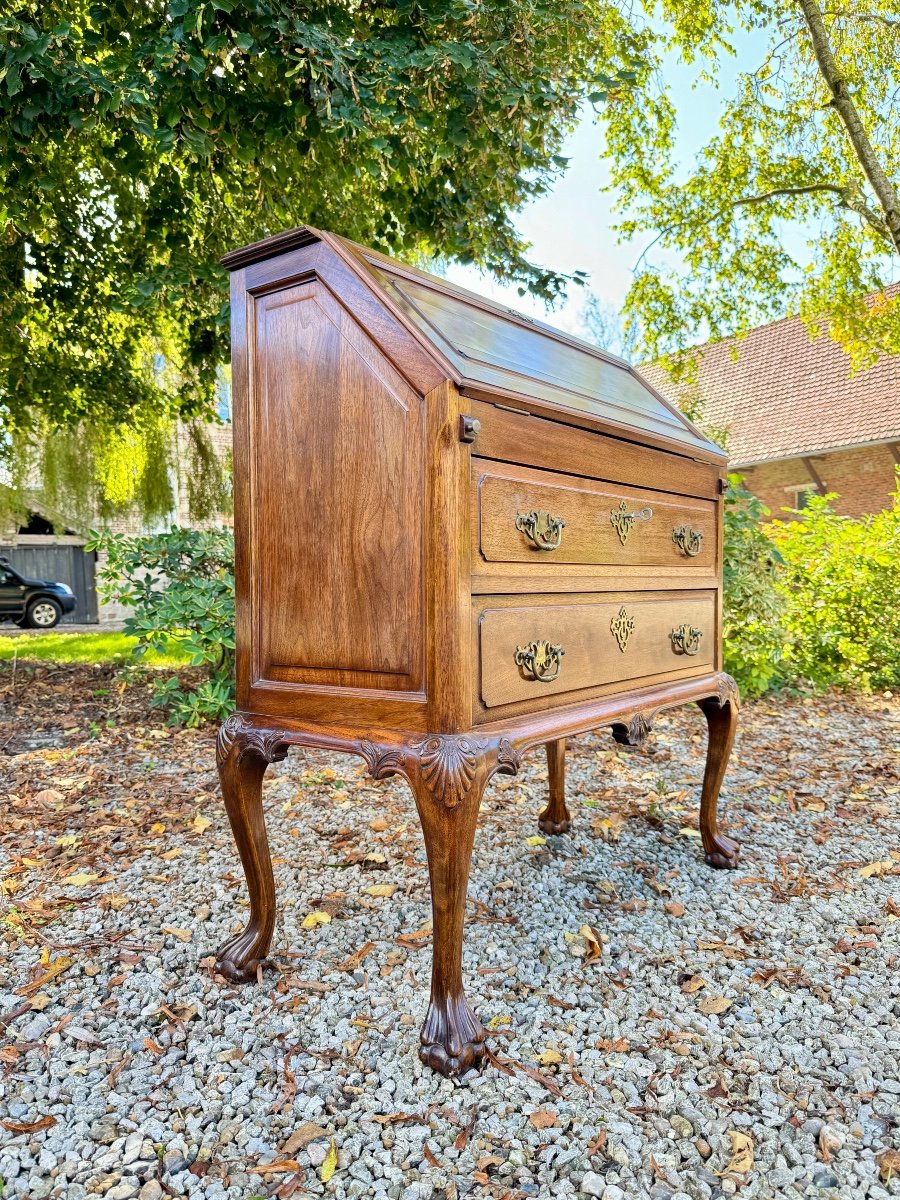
x,y
497,348
493,348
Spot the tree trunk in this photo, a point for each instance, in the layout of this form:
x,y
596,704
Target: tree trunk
x,y
843,104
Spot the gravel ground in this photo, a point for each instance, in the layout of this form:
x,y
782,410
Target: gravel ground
x,y
659,1029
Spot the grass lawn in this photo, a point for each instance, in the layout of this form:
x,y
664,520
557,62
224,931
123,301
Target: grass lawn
x,y
83,647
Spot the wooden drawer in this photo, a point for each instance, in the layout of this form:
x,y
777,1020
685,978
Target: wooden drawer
x,y
535,649
517,515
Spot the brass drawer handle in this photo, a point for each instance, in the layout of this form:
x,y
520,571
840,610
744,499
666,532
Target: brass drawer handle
x,y
689,541
686,639
539,660
543,530
623,520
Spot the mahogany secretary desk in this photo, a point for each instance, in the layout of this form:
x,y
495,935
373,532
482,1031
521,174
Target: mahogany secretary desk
x,y
459,534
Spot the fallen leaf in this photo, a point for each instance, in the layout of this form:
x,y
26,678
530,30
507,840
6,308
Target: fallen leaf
x,y
535,840
888,1164
691,983
354,960
29,1126
40,1002
498,1021
55,968
877,869
612,1045
815,805
548,1057
170,854
68,839
302,1136
200,824
741,1153
688,831
674,909
593,943
311,920
543,1118
379,825
380,889
713,1005
183,935
80,879
328,1166
157,828
276,1168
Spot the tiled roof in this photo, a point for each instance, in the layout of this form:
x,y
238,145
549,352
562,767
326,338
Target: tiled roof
x,y
781,395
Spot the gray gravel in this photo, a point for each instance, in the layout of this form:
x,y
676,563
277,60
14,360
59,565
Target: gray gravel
x,y
164,1081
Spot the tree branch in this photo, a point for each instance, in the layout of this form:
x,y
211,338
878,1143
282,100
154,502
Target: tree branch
x,y
842,102
849,200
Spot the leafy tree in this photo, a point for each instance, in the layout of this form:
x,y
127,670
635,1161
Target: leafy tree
x,y
810,140
139,140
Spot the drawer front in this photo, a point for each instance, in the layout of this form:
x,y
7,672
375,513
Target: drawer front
x,y
535,650
538,518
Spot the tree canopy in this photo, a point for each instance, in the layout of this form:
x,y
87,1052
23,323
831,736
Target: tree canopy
x,y
140,140
808,143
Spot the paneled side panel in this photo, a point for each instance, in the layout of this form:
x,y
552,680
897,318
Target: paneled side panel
x,y
337,520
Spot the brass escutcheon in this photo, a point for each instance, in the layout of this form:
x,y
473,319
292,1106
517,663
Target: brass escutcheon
x,y
689,541
539,660
543,530
623,520
622,626
686,639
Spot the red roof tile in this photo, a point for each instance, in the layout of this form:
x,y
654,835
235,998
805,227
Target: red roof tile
x,y
780,394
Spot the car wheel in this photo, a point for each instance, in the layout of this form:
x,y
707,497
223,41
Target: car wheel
x,y
43,613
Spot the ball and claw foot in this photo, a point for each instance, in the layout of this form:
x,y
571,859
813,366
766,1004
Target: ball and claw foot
x,y
237,962
726,854
452,1038
546,825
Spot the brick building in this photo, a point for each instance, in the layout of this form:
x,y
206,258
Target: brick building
x,y
797,421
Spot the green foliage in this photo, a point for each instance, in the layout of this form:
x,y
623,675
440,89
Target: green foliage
x,y
140,141
842,587
754,604
84,648
726,247
180,587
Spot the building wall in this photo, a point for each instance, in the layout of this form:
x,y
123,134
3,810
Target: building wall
x,y
863,479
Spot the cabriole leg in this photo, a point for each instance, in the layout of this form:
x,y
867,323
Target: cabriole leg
x,y
242,753
721,714
556,818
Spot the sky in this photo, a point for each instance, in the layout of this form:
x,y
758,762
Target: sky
x,y
570,228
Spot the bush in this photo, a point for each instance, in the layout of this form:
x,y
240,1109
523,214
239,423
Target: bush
x,y
754,604
841,586
180,588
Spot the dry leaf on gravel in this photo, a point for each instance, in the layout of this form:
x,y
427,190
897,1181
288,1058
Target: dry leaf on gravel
x,y
19,1127
741,1153
379,889
674,909
183,935
888,1165
330,1163
713,1005
311,920
543,1118
302,1136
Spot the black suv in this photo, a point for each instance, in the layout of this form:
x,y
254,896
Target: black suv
x,y
32,603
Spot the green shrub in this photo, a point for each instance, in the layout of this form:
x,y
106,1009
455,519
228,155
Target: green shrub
x,y
842,587
180,588
754,604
